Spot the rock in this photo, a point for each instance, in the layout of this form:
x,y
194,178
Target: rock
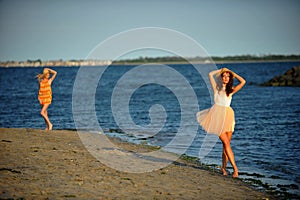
x,y
290,78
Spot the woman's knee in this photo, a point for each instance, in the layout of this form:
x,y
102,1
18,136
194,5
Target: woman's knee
x,y
225,140
43,112
226,143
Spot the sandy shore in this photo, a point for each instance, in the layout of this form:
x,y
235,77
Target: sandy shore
x,y
36,164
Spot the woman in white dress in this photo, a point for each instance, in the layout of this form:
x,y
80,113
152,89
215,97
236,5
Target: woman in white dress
x,y
219,119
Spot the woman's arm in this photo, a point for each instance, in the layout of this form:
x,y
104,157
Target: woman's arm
x,y
54,73
212,79
240,85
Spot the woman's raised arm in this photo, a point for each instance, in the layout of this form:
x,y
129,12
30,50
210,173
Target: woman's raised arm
x,y
240,85
212,79
54,73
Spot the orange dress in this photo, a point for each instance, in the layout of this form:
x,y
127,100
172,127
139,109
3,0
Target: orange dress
x,y
45,92
220,117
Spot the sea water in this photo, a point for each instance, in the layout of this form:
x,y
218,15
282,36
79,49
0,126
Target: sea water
x,y
266,137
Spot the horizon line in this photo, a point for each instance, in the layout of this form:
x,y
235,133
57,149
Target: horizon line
x,y
156,57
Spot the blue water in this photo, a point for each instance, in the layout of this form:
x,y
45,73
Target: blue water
x,y
265,141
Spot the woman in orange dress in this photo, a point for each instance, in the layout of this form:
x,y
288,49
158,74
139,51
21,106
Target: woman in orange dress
x,y
45,93
219,119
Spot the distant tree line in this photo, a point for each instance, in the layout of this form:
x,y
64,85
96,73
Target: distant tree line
x,y
170,59
257,58
152,59
34,61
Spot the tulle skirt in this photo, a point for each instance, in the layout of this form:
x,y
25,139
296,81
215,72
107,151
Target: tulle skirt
x,y
216,120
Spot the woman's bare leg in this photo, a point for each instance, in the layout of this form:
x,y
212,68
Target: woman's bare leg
x,y
224,162
47,127
44,114
228,151
224,155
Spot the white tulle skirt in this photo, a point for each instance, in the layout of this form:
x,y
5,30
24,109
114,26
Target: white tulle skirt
x,y
217,120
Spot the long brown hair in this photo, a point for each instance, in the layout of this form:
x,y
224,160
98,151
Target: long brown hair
x,y
229,85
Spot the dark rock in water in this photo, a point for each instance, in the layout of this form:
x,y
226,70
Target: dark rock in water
x,y
290,78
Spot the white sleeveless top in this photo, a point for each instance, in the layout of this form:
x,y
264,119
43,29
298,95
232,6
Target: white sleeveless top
x,y
222,99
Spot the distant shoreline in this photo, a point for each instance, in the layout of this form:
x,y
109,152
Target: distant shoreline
x,y
216,62
163,61
106,63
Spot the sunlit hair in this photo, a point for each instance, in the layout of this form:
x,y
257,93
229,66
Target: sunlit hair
x,y
43,75
229,85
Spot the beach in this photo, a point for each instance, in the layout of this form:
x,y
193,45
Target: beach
x,y
38,164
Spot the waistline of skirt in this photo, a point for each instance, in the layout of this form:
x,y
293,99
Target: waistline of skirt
x,y
222,105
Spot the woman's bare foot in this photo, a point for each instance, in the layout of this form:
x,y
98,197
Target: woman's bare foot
x,y
50,127
224,171
235,174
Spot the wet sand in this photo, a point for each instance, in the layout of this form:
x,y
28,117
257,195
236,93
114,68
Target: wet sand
x,y
37,164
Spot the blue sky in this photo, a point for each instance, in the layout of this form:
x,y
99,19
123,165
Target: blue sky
x,y
70,29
